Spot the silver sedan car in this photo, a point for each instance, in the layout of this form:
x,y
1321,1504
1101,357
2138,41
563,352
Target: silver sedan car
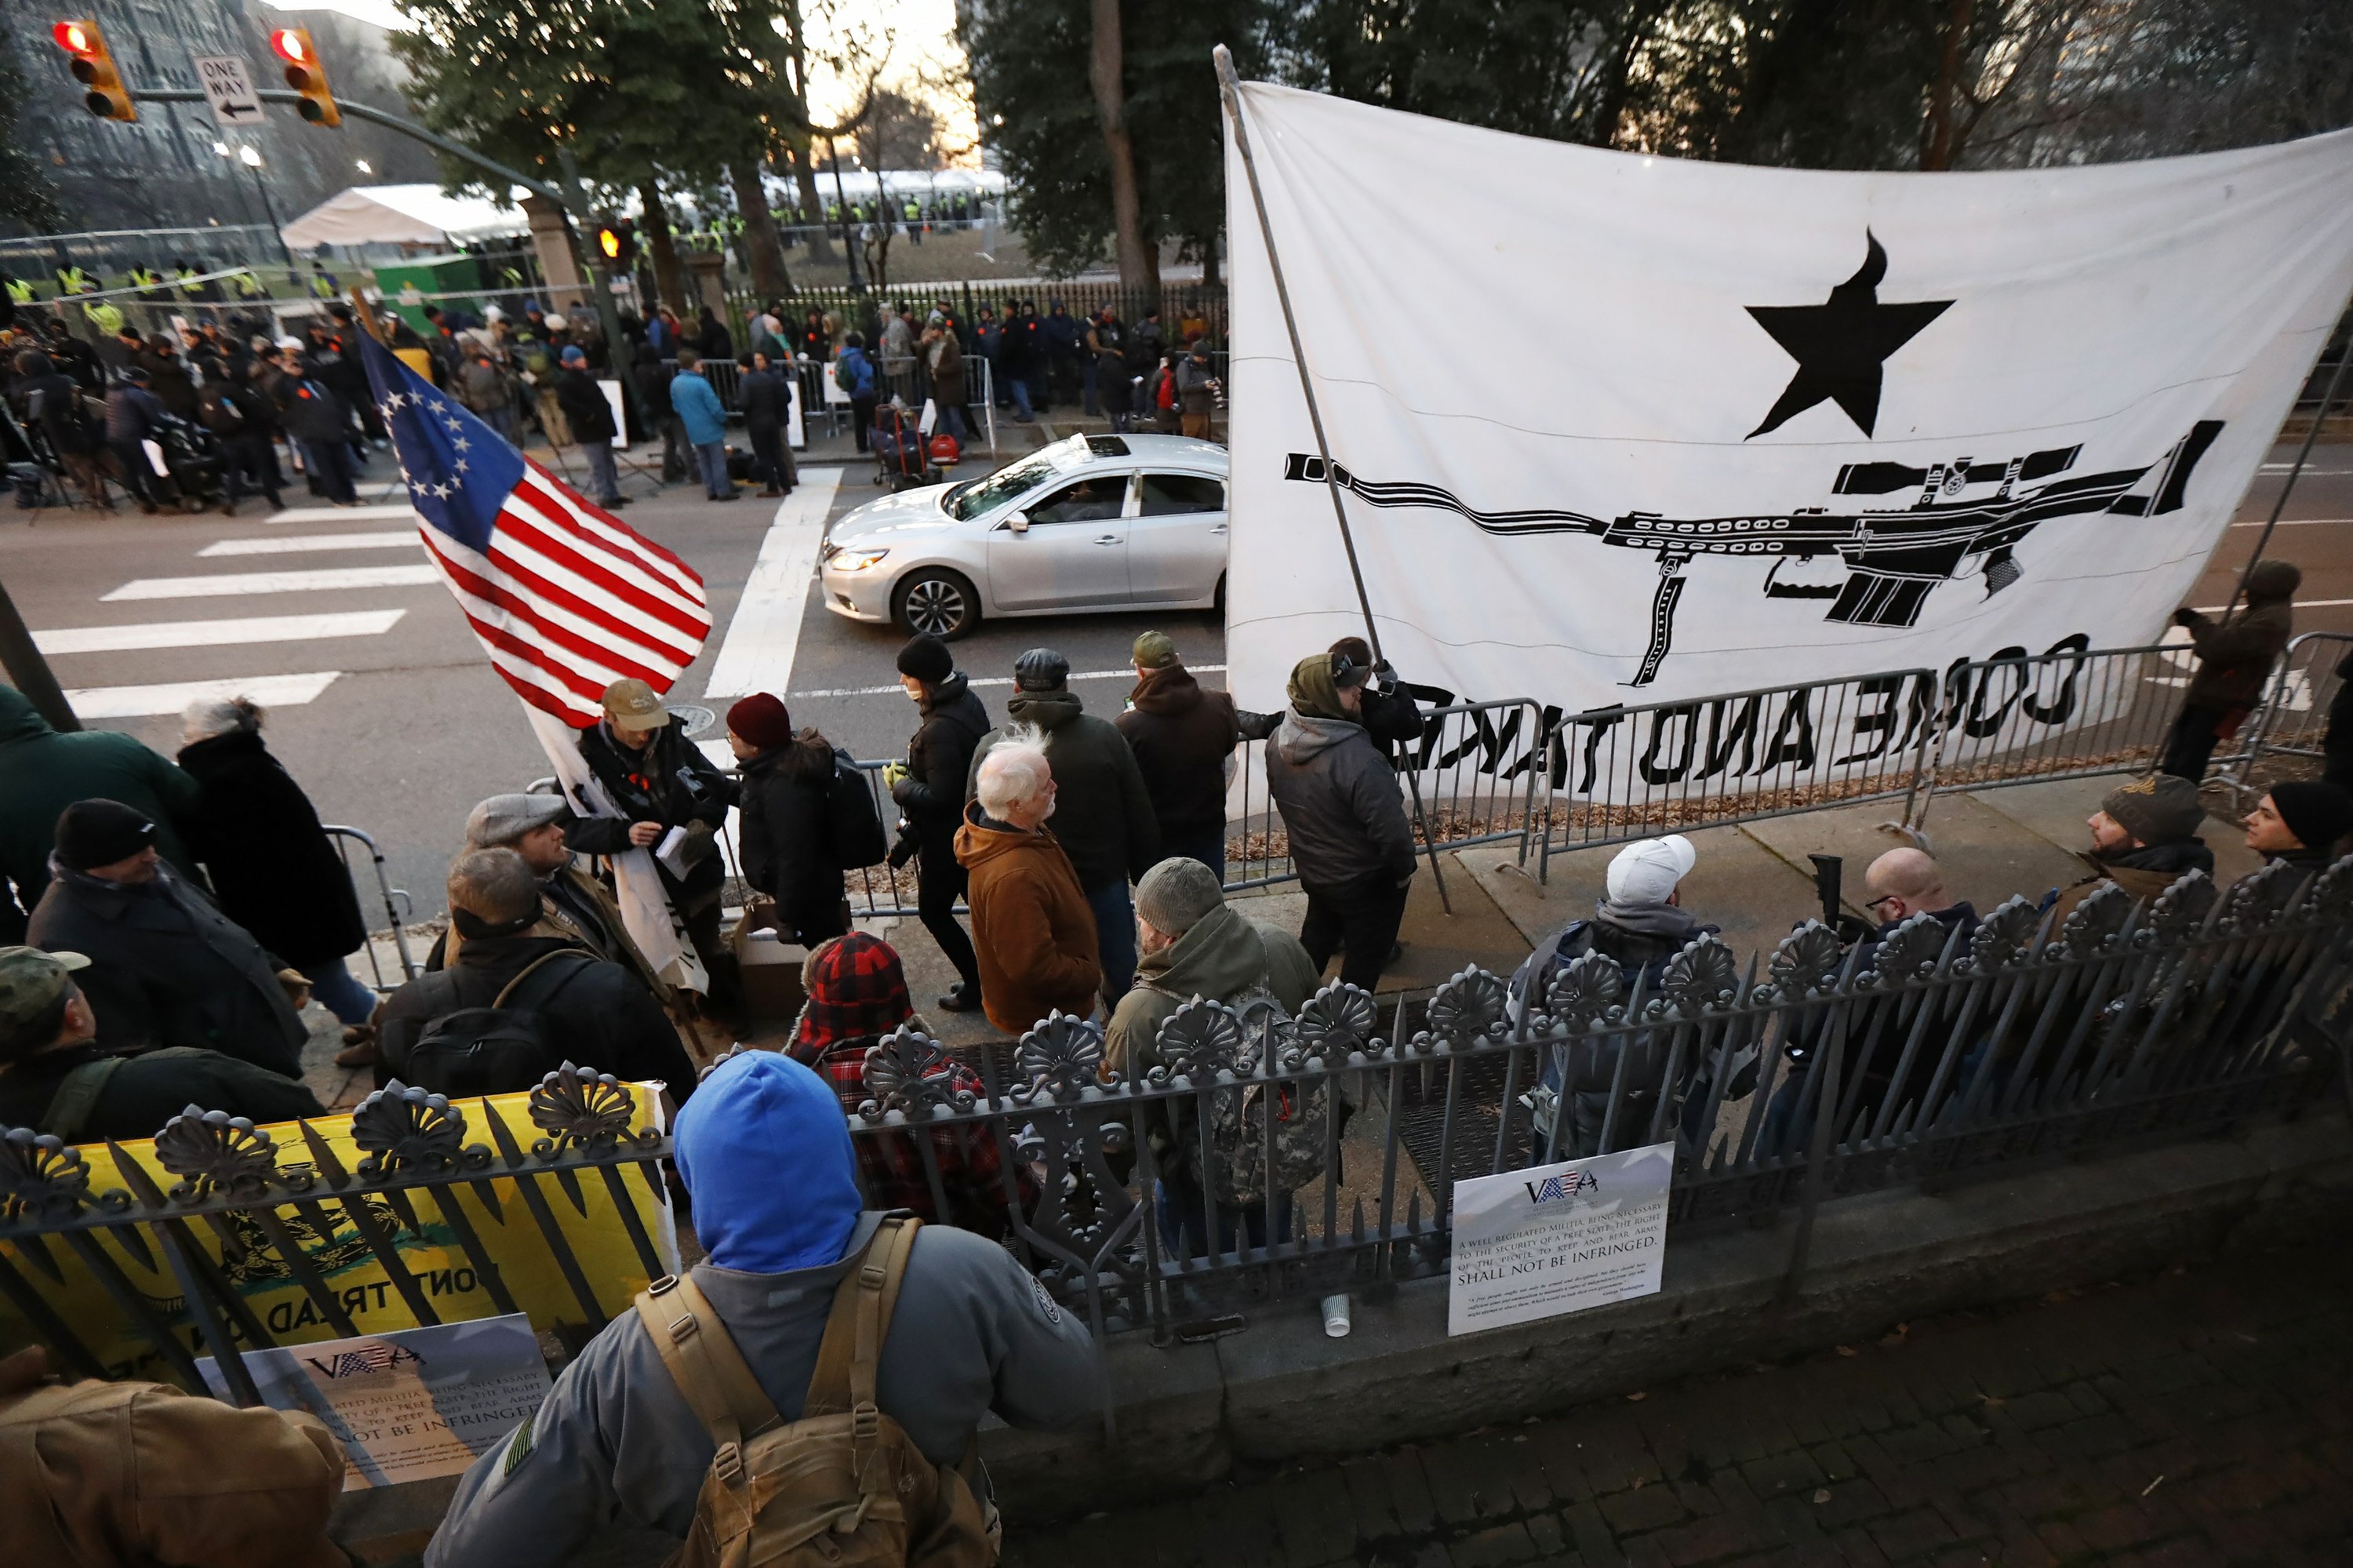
x,y
1093,522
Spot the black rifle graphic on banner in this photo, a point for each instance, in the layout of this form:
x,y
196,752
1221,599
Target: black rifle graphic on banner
x,y
1893,559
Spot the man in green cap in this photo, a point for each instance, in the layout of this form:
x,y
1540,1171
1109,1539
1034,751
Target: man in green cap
x,y
54,1078
1345,818
657,780
1181,733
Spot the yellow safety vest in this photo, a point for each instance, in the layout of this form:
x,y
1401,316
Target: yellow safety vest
x,y
104,316
249,286
322,285
74,280
19,292
189,290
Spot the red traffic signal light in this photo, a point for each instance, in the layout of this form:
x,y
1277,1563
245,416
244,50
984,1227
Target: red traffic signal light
x,y
93,67
305,75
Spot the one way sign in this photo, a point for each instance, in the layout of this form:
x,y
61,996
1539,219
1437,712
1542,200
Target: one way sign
x,y
228,91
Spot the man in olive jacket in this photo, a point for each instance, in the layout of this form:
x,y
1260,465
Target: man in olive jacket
x,y
1181,733
1103,814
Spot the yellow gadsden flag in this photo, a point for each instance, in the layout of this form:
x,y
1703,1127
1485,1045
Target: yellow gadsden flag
x,y
106,1290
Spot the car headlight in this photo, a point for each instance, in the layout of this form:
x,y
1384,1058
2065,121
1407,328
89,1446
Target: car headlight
x,y
854,559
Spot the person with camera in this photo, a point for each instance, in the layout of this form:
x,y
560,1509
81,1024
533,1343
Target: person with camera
x,y
929,788
661,784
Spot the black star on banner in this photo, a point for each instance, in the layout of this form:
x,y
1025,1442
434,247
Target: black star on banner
x,y
1841,344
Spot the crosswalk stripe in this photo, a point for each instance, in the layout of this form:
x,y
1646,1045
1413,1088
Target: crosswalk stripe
x,y
171,697
341,514
765,630
231,583
295,544
216,634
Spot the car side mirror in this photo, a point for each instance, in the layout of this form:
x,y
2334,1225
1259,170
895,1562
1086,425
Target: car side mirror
x,y
1018,521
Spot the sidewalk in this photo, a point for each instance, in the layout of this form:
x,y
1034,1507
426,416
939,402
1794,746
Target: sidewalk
x,y
2201,1417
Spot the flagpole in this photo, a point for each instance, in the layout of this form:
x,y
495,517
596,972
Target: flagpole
x,y
1229,88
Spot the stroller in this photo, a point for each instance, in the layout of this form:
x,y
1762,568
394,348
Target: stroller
x,y
902,457
193,454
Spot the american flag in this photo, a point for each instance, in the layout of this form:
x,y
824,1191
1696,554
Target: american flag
x,y
565,598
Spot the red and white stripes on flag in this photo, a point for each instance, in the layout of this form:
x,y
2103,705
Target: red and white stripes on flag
x,y
569,599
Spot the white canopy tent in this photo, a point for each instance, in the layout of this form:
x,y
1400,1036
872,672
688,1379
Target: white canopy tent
x,y
402,215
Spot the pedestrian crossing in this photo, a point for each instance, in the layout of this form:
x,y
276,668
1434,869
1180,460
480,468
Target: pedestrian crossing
x,y
196,633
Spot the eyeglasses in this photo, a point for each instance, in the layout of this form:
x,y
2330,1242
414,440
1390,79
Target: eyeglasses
x,y
1873,903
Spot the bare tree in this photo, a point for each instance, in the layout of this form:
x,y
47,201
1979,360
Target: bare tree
x,y
1139,263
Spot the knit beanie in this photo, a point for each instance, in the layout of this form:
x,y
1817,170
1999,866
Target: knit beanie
x,y
2158,810
1177,894
761,719
100,832
927,658
2316,812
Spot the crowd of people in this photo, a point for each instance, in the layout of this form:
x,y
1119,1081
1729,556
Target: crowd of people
x,y
172,918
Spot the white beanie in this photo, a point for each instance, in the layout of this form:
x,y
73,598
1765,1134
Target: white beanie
x,y
1646,871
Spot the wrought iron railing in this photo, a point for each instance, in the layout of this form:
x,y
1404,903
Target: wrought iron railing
x,y
1335,1137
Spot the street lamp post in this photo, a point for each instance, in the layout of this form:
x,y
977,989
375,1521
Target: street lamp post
x,y
250,156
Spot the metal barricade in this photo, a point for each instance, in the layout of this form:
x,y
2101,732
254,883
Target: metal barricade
x,y
1469,779
2294,721
1620,773
398,905
2070,713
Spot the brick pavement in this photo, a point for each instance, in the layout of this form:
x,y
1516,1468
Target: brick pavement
x,y
2205,1416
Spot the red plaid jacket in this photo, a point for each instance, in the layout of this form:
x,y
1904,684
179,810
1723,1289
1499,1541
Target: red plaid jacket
x,y
891,1167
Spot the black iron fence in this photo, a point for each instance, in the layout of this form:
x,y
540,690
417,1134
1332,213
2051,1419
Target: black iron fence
x,y
1328,1143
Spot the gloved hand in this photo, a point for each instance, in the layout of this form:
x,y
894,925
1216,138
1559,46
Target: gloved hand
x,y
892,772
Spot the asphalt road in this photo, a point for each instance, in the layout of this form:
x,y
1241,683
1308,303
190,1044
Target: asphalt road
x,y
387,713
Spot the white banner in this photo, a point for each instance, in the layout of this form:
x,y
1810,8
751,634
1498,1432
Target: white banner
x,y
1614,429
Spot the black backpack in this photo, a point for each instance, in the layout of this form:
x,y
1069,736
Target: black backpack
x,y
492,1049
855,824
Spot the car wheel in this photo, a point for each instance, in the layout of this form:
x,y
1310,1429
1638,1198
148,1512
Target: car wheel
x,y
1217,599
936,602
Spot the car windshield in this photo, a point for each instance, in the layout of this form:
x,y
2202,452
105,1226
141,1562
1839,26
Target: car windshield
x,y
976,496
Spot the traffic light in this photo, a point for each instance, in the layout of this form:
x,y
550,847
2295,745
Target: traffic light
x,y
305,75
618,242
93,67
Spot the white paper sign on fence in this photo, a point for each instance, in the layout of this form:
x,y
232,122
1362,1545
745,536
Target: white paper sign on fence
x,y
1559,1239
1704,428
410,1404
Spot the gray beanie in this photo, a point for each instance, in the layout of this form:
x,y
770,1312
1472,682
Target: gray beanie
x,y
1177,894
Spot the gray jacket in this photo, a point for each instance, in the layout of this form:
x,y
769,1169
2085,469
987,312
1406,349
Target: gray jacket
x,y
615,1440
1340,803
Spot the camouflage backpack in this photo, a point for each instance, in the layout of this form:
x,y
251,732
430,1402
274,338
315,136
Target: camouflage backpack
x,y
843,1487
1238,1117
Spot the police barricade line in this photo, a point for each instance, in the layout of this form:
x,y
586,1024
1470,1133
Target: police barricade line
x,y
2292,724
133,1259
1327,1145
2070,711
1624,772
1465,782
397,906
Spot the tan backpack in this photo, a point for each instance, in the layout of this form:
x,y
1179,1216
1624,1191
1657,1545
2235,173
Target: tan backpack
x,y
843,1487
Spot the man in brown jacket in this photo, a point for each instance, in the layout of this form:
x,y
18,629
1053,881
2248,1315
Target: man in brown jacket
x,y
1031,924
98,1474
2234,660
